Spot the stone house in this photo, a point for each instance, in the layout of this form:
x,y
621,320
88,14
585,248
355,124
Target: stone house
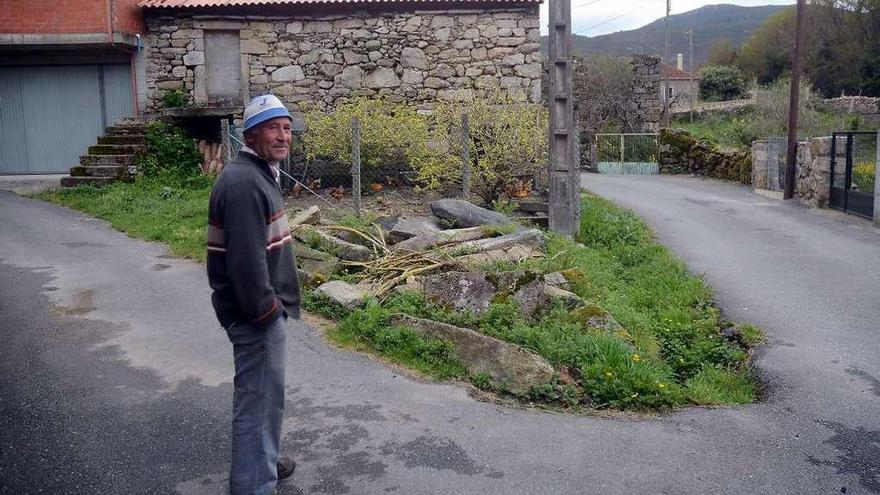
x,y
220,53
682,84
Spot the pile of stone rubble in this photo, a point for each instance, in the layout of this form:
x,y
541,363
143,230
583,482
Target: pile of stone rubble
x,y
441,256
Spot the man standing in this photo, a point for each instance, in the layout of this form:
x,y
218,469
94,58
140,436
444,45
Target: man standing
x,y
252,271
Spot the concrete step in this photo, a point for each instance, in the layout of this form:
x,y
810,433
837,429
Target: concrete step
x,y
111,171
533,205
87,181
125,130
106,160
116,149
123,139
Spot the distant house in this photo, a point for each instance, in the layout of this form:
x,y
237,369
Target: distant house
x,y
221,52
680,86
68,69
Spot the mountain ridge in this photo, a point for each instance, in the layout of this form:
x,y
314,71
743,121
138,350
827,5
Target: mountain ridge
x,y
710,22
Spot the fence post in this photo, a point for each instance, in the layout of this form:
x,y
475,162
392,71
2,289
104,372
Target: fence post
x,y
465,157
356,165
621,149
877,185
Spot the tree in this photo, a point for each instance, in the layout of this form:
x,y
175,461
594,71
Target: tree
x,y
602,87
766,55
721,83
841,47
722,52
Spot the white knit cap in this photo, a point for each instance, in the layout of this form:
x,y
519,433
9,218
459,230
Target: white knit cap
x,y
263,108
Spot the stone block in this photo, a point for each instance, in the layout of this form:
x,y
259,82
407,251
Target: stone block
x,y
288,73
346,295
532,71
411,76
194,58
509,366
513,59
441,21
442,35
414,58
254,47
435,83
381,78
294,27
168,85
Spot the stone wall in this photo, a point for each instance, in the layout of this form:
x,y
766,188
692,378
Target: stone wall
x,y
417,56
646,89
862,105
814,170
683,153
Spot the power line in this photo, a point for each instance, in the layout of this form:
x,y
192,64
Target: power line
x,y
584,4
594,26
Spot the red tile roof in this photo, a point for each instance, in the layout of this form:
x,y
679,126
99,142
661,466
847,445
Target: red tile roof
x,y
170,4
675,74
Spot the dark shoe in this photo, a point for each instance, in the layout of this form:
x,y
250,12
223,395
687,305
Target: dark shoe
x,y
286,467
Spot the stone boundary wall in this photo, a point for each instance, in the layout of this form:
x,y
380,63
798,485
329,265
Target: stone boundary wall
x,y
714,106
861,105
683,153
814,169
418,56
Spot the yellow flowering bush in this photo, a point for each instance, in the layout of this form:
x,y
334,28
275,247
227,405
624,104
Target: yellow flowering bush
x,y
508,142
863,176
391,133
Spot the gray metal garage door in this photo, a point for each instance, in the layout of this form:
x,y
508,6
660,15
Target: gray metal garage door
x,y
49,115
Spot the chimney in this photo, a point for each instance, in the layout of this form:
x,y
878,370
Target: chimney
x,y
679,61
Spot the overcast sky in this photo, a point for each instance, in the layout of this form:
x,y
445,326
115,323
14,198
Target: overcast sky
x,y
595,17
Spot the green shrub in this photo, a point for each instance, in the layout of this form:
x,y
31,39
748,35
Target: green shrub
x,y
721,83
863,176
170,154
175,98
390,133
508,143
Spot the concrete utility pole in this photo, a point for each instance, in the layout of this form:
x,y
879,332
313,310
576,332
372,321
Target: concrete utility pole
x,y
690,34
564,208
793,97
666,103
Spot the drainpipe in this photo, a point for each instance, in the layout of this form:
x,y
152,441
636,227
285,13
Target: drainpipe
x,y
110,23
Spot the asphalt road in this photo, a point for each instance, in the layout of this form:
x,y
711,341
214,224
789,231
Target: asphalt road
x,y
118,380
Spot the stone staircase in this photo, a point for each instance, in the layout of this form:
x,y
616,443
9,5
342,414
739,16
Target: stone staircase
x,y
112,159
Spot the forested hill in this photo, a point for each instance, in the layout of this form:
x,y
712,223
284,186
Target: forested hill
x,y
711,22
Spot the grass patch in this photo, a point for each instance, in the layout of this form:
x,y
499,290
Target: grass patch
x,y
713,386
671,352
155,209
751,335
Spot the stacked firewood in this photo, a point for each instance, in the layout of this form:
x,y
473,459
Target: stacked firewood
x,y
212,162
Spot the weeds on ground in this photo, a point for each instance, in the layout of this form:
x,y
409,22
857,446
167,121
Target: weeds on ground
x,y
671,352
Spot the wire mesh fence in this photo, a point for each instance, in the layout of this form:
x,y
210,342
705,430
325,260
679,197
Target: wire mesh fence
x,y
625,153
343,186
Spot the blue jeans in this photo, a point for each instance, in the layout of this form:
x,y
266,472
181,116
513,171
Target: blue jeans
x,y
258,406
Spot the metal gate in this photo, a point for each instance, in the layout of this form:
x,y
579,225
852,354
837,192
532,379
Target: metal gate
x,y
853,172
49,115
634,154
